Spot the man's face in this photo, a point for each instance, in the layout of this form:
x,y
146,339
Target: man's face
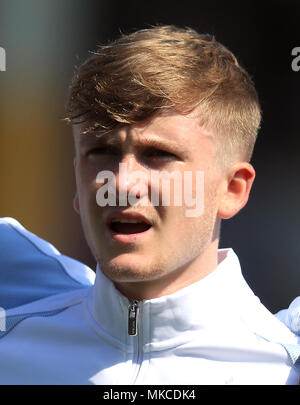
x,y
168,241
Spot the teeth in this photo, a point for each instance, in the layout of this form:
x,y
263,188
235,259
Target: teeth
x,y
126,221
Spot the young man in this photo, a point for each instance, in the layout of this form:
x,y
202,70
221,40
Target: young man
x,y
159,117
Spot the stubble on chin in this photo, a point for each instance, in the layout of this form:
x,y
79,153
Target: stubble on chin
x,y
122,269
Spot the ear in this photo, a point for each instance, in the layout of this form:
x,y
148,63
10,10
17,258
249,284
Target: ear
x,y
76,203
236,189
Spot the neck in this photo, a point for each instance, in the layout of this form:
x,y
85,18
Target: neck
x,y
175,280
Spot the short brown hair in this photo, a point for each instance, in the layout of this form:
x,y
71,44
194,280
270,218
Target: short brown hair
x,y
166,67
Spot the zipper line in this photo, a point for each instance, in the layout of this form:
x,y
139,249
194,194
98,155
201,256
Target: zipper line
x,y
133,312
133,319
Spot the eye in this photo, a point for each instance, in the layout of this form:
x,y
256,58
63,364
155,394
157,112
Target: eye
x,y
159,154
103,150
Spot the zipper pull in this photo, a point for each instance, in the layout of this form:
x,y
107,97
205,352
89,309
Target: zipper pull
x,y
133,311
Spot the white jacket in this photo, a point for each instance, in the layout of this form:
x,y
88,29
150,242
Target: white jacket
x,y
214,331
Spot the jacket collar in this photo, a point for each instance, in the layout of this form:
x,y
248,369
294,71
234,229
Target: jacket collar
x,y
162,320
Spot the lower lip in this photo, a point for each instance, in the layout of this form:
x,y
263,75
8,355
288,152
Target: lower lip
x,y
127,238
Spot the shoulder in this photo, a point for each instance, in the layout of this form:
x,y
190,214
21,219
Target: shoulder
x,y
32,269
266,327
291,316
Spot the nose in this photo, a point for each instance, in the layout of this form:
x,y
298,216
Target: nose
x,y
132,181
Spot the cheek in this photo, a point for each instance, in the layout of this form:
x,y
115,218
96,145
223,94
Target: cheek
x,y
196,221
86,182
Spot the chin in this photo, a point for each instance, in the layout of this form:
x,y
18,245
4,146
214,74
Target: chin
x,y
130,269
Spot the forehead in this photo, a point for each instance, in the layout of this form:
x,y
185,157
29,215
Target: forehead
x,y
172,129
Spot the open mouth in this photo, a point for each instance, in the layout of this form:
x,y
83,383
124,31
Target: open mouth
x,y
128,226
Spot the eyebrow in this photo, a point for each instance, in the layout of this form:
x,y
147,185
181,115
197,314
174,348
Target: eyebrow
x,y
143,141
155,141
106,139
